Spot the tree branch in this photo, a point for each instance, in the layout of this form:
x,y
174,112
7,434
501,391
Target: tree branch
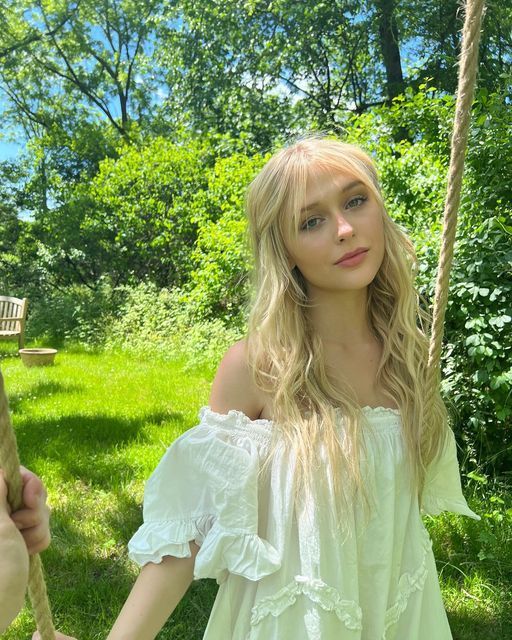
x,y
37,36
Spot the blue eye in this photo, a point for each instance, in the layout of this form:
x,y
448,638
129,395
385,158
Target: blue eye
x,y
310,224
356,201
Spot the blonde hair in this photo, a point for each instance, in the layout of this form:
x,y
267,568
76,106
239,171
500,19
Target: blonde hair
x,y
287,358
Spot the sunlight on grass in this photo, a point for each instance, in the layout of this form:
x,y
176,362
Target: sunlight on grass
x,y
94,426
474,562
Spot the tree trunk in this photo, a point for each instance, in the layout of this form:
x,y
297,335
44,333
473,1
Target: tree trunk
x,y
389,44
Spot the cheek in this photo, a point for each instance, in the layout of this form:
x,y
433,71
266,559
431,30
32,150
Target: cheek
x,y
309,251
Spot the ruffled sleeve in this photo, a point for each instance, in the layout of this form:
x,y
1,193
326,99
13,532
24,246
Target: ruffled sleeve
x,y
443,491
205,489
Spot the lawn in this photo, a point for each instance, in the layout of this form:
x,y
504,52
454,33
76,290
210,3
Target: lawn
x,y
95,425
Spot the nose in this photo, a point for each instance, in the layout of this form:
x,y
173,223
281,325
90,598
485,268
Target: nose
x,y
344,228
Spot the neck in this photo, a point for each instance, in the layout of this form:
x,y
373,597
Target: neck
x,y
341,319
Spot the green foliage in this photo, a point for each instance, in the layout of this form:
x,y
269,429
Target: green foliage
x,y
477,375
248,69
92,55
239,67
218,285
479,329
143,198
76,314
480,312
132,221
159,322
20,273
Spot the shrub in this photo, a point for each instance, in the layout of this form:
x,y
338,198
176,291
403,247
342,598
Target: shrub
x,y
218,285
477,375
159,322
132,221
76,314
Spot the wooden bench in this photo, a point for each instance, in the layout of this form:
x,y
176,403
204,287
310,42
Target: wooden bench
x,y
13,315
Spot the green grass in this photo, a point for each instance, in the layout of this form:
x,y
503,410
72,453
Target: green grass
x,y
474,562
95,425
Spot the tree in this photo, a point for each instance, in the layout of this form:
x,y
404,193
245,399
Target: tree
x,y
131,222
254,70
432,30
324,60
16,33
99,52
317,57
390,47
78,77
20,275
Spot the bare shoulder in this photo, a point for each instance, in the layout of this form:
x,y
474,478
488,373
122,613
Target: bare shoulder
x,y
233,386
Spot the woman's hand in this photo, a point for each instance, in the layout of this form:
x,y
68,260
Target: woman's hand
x,y
4,505
13,563
33,520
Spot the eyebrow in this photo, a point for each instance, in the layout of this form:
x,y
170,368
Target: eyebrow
x,y
347,187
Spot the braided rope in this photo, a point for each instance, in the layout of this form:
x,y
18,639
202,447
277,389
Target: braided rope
x,y
10,463
465,94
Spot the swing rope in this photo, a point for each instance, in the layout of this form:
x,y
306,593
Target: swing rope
x,y
10,463
9,460
465,93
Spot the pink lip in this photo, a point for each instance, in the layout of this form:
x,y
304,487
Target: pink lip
x,y
352,254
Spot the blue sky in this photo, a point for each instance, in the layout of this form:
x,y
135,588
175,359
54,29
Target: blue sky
x,y
9,150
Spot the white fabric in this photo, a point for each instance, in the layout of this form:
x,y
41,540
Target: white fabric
x,y
283,570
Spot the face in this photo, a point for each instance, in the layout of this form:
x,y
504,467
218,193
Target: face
x,y
340,241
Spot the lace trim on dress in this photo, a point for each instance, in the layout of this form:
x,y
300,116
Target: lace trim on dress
x,y
383,418
329,598
408,584
317,591
381,411
259,430
221,551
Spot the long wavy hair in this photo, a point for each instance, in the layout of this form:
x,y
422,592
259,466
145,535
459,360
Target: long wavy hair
x,y
286,357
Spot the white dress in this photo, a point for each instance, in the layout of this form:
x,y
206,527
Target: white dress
x,y
284,573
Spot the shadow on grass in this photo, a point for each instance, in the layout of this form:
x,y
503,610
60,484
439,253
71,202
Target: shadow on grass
x,y
88,581
41,390
465,626
84,446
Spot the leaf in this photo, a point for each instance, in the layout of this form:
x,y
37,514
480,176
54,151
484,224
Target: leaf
x,y
473,475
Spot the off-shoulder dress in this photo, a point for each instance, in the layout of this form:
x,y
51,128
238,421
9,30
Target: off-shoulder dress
x,y
285,571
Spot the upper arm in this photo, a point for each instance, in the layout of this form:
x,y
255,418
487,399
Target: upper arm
x,y
233,386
